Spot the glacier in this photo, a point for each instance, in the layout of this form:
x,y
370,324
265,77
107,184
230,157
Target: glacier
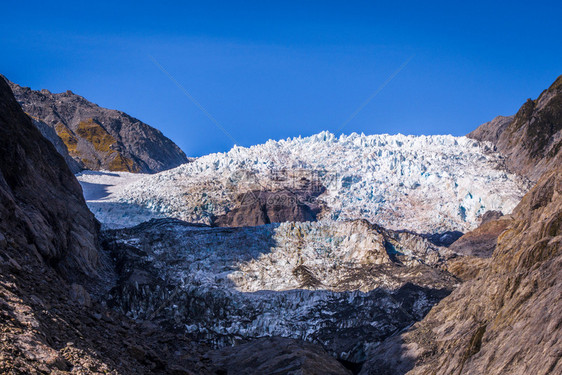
x,y
364,270
426,184
333,283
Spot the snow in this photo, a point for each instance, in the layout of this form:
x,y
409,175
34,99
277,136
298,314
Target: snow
x,y
425,184
100,189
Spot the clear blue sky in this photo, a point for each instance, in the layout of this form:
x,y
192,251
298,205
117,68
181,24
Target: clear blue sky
x,y
268,69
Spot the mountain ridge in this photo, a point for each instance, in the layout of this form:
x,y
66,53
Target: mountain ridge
x,y
97,138
531,139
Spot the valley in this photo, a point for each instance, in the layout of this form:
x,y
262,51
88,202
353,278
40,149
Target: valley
x,y
351,254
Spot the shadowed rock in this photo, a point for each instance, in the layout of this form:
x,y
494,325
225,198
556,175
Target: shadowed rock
x,y
481,242
276,356
41,204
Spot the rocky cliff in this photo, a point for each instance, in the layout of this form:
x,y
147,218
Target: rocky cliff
x,y
98,138
506,318
531,140
42,208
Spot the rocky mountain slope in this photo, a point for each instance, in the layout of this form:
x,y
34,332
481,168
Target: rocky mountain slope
x,y
506,320
531,140
423,184
39,194
98,138
49,251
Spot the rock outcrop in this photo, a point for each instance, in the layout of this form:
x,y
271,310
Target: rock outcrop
x,y
42,208
259,207
532,139
51,135
504,320
98,138
481,242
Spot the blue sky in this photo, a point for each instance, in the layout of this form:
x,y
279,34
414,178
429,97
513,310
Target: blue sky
x,y
268,69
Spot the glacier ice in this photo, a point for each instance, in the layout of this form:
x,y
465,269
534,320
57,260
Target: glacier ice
x,y
426,184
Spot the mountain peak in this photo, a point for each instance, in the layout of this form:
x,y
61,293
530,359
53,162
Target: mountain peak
x,y
97,138
531,140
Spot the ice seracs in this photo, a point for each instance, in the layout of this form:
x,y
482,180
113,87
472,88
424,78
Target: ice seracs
x,y
425,184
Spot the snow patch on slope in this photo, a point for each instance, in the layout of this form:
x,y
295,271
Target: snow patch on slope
x,y
100,189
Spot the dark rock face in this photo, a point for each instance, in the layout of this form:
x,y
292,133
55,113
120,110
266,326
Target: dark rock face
x,y
265,207
507,319
98,138
444,239
481,242
532,139
276,355
61,148
48,248
42,209
490,215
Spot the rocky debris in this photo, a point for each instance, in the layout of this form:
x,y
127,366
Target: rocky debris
x,y
276,356
97,138
3,242
505,320
532,139
80,295
41,204
258,207
344,285
45,330
481,242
